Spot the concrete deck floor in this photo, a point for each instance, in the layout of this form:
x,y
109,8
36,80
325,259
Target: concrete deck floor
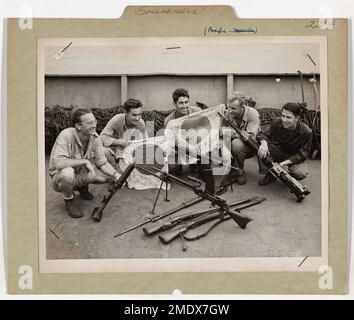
x,y
282,227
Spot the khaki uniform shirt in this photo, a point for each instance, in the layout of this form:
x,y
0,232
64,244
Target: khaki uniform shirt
x,y
69,146
116,128
250,121
172,116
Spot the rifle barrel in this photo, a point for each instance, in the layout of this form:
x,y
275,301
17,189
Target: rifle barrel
x,y
161,216
188,216
98,211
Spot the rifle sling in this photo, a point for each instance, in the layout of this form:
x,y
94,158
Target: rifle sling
x,y
201,235
218,221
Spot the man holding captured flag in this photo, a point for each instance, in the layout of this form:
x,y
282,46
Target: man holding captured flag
x,y
195,134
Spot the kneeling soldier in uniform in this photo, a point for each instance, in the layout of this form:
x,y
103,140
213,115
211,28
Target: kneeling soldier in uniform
x,y
288,142
122,129
182,108
70,166
245,118
180,98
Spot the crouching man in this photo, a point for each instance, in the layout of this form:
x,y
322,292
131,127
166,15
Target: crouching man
x,y
288,142
122,129
180,98
245,118
77,160
182,108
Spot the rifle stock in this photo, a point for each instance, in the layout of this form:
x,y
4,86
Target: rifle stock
x,y
242,221
157,227
168,237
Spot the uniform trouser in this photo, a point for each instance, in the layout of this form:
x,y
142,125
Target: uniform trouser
x,y
240,153
79,177
298,171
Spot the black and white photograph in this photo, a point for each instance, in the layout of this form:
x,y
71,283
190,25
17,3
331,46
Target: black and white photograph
x,y
181,154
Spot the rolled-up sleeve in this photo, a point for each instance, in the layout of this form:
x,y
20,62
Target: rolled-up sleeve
x,y
253,123
99,153
61,149
108,133
142,128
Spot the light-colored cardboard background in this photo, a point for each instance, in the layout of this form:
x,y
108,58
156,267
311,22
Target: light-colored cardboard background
x,y
22,157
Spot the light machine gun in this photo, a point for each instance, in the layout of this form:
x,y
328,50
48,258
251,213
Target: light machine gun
x,y
220,203
274,168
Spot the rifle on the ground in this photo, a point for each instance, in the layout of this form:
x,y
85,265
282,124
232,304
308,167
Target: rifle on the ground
x,y
184,205
98,211
181,232
156,218
274,168
220,203
159,227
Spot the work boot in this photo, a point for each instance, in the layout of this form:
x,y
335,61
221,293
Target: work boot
x,y
267,179
241,179
234,172
85,193
73,209
238,175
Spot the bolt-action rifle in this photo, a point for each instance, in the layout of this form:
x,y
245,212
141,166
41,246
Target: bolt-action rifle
x,y
154,219
168,237
159,227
